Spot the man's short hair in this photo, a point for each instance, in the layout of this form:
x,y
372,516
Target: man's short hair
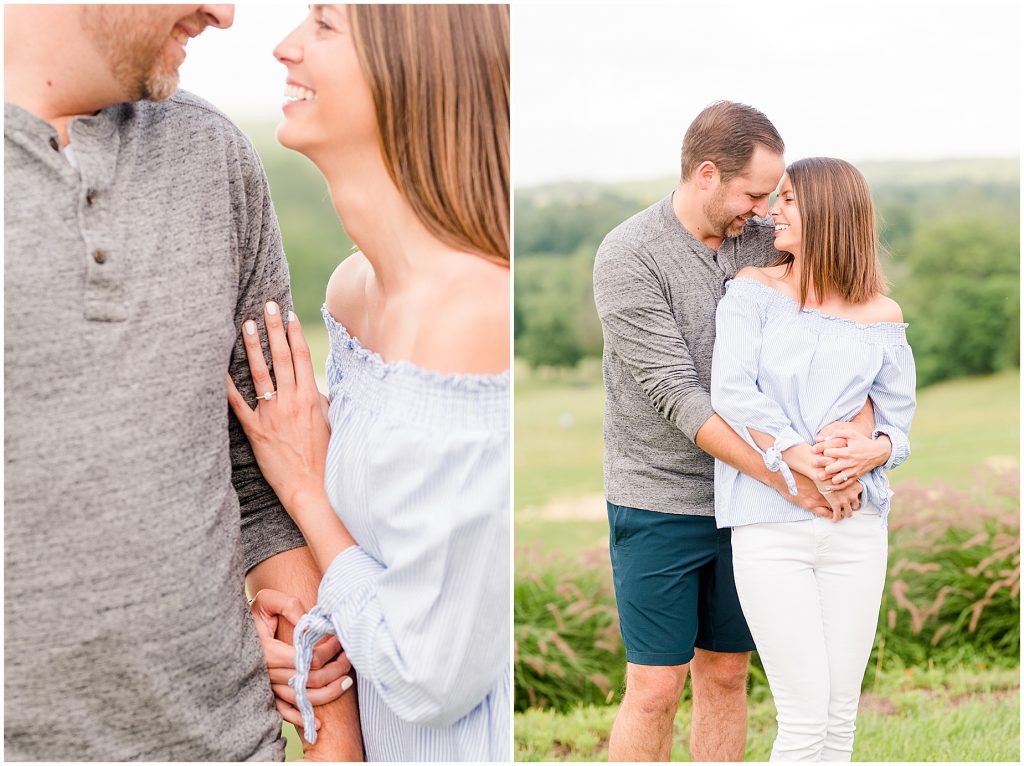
x,y
726,133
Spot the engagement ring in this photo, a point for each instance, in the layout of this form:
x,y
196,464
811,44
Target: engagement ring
x,y
267,396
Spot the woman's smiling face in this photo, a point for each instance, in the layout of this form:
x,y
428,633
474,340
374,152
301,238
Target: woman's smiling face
x,y
786,215
328,101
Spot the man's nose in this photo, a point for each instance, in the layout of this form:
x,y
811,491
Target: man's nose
x,y
220,16
761,209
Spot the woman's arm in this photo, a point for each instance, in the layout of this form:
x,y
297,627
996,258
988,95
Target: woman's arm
x,y
734,392
429,630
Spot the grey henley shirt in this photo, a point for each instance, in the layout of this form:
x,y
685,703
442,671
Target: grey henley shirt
x,y
656,287
133,505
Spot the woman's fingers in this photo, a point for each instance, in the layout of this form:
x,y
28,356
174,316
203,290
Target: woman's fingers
x,y
838,431
271,603
239,406
825,444
329,673
837,467
257,364
302,361
291,714
325,652
320,696
279,654
280,353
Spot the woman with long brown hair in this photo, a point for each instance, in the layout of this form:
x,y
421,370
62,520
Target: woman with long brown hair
x,y
799,345
401,489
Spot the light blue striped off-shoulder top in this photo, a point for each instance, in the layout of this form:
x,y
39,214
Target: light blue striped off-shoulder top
x,y
418,469
789,372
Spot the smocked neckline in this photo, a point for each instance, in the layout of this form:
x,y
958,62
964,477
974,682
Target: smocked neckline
x,y
380,368
789,301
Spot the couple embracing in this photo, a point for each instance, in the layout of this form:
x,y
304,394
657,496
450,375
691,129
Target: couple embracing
x,y
759,385
145,285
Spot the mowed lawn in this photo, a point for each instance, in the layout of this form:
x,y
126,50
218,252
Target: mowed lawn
x,y
960,426
938,715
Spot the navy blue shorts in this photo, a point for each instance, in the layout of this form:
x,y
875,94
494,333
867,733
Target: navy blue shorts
x,y
674,586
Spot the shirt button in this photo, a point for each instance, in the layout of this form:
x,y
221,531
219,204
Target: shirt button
x,y
54,145
99,256
90,196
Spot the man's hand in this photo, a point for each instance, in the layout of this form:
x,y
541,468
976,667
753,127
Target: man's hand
x,y
327,677
808,497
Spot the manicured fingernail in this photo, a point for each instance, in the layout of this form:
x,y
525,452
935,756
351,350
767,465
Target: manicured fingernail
x,y
250,328
271,308
346,684
291,316
316,722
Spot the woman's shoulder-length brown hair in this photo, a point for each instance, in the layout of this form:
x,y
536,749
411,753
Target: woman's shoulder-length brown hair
x,y
439,76
839,236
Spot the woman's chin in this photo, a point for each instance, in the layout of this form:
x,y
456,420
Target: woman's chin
x,y
289,137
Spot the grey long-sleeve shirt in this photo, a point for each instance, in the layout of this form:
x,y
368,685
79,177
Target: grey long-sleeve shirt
x,y
133,505
656,287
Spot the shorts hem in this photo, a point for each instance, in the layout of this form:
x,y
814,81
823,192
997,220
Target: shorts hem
x,y
658,658
727,646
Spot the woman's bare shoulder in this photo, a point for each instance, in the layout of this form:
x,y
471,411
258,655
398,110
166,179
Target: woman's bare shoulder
x,y
882,308
768,275
470,333
346,288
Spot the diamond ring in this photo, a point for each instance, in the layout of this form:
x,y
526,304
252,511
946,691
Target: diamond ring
x,y
844,477
267,396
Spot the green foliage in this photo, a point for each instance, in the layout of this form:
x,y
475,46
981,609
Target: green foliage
x,y
961,297
952,595
567,647
953,584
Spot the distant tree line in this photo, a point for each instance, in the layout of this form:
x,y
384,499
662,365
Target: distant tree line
x,y
951,239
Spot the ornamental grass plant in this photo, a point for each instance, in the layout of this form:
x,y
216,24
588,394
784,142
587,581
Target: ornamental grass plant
x,y
951,599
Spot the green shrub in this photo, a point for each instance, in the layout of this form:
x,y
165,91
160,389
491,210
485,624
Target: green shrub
x,y
952,599
567,644
953,587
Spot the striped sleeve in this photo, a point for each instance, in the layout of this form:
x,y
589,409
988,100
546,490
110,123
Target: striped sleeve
x,y
735,395
894,401
429,628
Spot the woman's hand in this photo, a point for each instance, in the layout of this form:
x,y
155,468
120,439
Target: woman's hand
x,y
846,454
842,501
327,676
288,431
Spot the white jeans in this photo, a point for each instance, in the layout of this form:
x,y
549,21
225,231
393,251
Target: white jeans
x,y
811,591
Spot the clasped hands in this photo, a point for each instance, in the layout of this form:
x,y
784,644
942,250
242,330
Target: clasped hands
x,y
329,674
841,455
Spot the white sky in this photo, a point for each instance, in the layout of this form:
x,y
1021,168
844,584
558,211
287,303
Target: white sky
x,y
607,91
602,91
235,68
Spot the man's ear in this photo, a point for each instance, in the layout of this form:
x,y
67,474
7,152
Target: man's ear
x,y
706,175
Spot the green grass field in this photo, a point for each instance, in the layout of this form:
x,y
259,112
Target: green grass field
x,y
960,426
954,715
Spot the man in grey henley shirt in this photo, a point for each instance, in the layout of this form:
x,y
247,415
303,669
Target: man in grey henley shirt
x,y
658,278
132,509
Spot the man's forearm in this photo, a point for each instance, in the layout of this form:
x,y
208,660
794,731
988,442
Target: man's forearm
x,y
717,438
294,572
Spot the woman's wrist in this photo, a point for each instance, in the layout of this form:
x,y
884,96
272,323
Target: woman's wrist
x,y
325,533
307,502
